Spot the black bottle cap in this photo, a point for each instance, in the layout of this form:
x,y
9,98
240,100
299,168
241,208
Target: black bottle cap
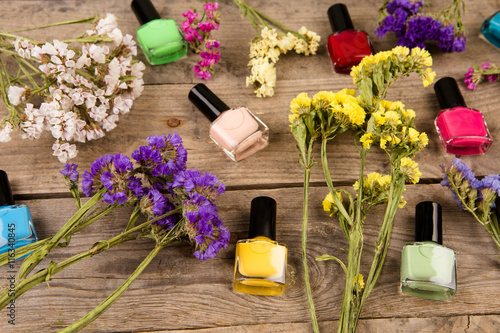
x,y
448,93
144,11
339,17
207,102
428,225
6,197
263,218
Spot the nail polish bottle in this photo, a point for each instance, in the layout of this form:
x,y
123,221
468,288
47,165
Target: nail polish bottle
x,y
462,131
16,225
490,29
160,39
346,46
428,269
237,131
260,267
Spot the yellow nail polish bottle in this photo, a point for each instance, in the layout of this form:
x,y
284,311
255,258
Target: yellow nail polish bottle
x,y
260,267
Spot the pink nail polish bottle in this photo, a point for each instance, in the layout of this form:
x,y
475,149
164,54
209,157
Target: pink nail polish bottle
x,y
346,46
237,131
462,131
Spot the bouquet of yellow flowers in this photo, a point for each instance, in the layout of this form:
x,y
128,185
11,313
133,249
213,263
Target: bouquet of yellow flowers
x,y
376,122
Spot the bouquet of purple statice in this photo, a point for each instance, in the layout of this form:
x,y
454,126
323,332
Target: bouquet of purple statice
x,y
177,204
84,88
414,28
478,197
476,74
197,32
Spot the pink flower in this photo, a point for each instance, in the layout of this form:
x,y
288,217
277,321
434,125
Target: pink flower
x,y
468,79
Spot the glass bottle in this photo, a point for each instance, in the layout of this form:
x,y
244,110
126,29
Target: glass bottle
x,y
260,261
237,131
16,225
346,46
462,131
490,29
428,269
160,39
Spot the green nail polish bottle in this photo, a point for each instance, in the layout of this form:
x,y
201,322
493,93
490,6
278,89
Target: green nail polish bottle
x,y
428,269
160,39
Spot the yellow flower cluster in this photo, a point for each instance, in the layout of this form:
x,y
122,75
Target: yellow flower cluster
x,y
374,182
343,104
394,127
410,169
398,61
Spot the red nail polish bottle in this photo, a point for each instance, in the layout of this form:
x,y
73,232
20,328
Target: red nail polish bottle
x,y
462,131
346,46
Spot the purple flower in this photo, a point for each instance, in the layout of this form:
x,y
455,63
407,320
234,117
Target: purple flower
x,y
111,172
70,171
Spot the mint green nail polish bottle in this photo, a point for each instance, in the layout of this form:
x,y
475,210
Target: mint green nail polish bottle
x,y
160,39
428,269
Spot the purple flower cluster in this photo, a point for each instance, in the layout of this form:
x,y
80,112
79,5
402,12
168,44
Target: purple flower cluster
x,y
474,75
466,179
70,172
414,29
197,33
204,227
160,183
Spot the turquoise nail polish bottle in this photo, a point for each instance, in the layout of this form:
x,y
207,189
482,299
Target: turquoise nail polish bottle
x,y
428,269
160,39
490,29
16,225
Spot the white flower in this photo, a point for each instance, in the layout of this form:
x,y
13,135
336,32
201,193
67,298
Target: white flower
x,y
64,152
16,94
116,35
110,122
23,47
33,124
5,132
98,53
122,105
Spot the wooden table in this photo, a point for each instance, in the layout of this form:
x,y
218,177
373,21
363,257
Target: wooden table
x,y
181,294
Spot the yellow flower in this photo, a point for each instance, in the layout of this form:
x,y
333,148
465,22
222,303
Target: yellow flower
x,y
401,51
379,118
366,140
410,169
428,77
359,281
408,114
372,179
392,118
425,56
323,98
329,205
384,181
413,134
402,203
424,139
293,117
300,102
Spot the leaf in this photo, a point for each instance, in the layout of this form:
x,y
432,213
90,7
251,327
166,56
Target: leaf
x,y
299,132
366,90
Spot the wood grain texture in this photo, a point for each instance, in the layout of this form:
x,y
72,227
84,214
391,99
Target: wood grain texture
x,y
165,96
177,293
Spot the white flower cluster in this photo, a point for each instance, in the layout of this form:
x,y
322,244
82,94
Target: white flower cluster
x,y
265,52
88,88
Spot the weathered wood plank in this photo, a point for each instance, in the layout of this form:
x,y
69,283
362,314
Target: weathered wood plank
x,y
177,292
165,98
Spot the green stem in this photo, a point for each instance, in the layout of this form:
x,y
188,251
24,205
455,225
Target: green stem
x,y
329,182
305,212
22,251
34,259
54,268
101,308
85,20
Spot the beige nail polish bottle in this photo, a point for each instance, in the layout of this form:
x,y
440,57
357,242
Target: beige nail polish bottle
x,y
237,131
